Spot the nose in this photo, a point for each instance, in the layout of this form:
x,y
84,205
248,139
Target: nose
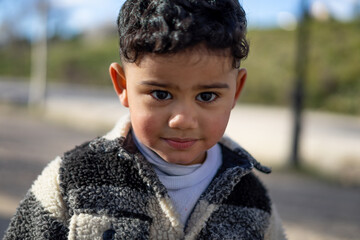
x,y
183,117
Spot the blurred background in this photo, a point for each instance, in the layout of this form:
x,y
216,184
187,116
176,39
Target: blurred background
x,y
299,112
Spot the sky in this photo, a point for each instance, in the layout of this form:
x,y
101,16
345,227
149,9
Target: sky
x,y
260,13
71,16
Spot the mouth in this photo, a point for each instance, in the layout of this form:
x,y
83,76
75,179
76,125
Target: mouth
x,y
180,143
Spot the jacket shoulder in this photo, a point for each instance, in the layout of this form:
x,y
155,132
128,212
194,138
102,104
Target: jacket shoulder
x,y
250,193
95,163
94,172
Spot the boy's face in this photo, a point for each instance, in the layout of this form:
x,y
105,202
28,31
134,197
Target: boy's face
x,y
179,104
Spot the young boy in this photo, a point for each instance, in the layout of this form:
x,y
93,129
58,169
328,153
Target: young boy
x,y
167,172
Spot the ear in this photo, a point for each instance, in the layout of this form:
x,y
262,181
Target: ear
x,y
118,78
240,81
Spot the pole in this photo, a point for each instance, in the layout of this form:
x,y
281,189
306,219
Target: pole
x,y
37,89
299,88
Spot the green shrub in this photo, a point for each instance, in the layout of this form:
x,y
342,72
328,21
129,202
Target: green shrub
x,y
333,74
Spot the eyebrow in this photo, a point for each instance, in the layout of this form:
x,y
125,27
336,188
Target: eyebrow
x,y
157,84
166,85
214,85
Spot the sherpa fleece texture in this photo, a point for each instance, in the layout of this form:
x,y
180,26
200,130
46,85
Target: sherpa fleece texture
x,y
105,189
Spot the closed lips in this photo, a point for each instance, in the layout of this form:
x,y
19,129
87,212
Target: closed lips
x,y
180,143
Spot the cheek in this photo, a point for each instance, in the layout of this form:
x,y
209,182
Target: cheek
x,y
216,125
145,126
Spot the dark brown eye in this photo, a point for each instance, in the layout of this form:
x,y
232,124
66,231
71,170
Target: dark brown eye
x,y
206,97
161,95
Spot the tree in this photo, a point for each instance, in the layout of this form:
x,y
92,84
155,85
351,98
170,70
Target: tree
x,y
37,90
299,89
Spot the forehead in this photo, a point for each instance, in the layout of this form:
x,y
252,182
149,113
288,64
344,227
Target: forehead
x,y
192,59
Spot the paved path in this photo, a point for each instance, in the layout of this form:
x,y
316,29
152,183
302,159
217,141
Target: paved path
x,y
330,143
311,209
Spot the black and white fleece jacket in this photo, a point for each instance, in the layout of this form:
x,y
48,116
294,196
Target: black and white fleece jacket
x,y
105,189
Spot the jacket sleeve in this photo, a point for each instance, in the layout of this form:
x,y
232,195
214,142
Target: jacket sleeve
x,y
275,230
42,214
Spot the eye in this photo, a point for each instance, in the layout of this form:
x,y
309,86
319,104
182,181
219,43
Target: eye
x,y
206,97
161,95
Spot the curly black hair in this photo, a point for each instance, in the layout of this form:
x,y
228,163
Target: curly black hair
x,y
169,26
